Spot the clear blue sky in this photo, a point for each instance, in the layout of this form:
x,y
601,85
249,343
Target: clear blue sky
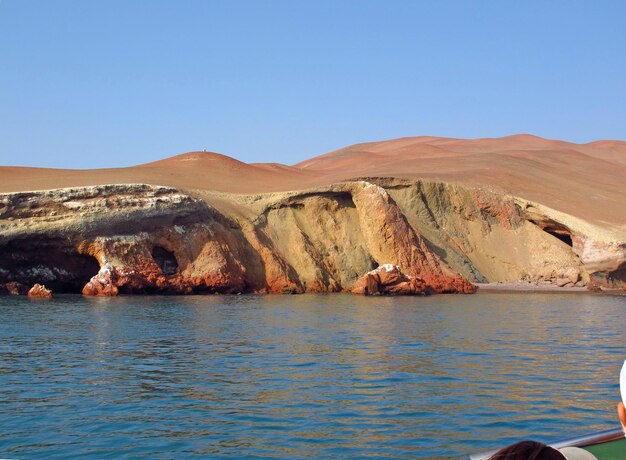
x,y
114,83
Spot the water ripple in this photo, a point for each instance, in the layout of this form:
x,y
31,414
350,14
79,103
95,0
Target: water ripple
x,y
305,376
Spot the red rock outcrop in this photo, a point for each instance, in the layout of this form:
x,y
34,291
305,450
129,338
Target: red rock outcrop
x,y
103,283
40,291
389,279
448,285
368,284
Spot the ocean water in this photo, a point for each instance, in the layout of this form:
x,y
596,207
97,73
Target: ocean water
x,y
308,376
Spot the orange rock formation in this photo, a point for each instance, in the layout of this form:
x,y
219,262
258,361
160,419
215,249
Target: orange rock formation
x,y
40,291
388,279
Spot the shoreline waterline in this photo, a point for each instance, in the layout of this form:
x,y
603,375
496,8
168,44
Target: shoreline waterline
x,y
543,288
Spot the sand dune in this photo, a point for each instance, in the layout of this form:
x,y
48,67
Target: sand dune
x,y
586,180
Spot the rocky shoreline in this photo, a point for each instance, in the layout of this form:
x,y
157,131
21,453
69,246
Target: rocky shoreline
x,y
144,239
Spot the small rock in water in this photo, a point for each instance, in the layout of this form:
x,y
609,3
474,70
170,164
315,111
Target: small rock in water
x,y
40,291
103,283
389,279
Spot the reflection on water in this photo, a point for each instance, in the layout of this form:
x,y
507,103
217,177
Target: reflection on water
x,y
304,376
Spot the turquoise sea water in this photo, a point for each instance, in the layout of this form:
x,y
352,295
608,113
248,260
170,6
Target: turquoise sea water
x,y
310,376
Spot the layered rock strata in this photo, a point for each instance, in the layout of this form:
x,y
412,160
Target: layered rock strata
x,y
136,238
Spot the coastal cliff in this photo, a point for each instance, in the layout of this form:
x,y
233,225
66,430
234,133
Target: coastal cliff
x,y
448,213
105,240
137,238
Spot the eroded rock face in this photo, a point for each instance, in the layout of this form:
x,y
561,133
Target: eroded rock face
x,y
337,234
124,238
133,239
485,236
40,291
389,279
369,284
605,261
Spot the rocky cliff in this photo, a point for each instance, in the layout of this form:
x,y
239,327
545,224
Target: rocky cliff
x,y
137,238
446,211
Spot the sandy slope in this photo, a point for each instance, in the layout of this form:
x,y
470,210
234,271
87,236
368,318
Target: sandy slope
x,y
587,180
584,180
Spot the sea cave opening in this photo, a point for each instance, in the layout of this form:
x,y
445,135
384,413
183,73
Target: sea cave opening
x,y
50,262
166,260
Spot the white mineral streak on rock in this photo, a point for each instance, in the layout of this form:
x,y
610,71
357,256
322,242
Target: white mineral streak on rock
x,y
599,256
388,268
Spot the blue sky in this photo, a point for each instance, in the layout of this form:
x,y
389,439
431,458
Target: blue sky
x,y
115,83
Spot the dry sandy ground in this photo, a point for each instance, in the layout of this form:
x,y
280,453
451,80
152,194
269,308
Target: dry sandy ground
x,y
543,288
529,287
584,180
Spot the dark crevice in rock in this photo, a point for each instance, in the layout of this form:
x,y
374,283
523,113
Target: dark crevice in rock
x,y
560,234
166,260
551,227
343,199
46,261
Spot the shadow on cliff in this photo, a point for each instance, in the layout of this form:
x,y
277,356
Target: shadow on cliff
x,y
42,260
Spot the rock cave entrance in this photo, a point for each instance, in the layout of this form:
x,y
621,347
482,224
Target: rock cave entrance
x,y
49,262
553,228
166,260
561,234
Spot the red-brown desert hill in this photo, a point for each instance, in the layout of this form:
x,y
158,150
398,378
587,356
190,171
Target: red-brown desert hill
x,y
588,180
585,180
